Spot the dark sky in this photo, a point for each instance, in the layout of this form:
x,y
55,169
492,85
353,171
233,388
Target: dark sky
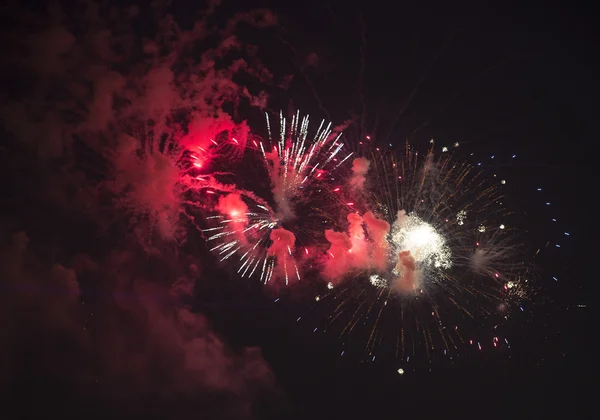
x,y
501,81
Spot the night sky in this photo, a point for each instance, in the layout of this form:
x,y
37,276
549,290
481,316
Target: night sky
x,y
100,317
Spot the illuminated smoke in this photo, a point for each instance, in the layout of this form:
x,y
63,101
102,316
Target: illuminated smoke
x,y
380,250
233,206
340,259
282,248
109,125
406,270
360,167
402,255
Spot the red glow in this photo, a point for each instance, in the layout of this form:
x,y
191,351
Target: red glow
x,y
368,137
319,175
350,204
306,250
336,189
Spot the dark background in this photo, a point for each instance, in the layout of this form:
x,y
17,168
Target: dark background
x,y
502,82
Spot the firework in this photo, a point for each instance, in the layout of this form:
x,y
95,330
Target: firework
x,y
269,236
420,245
429,246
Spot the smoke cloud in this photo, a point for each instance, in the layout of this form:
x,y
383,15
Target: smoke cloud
x,y
282,248
128,104
408,275
115,333
380,249
360,167
103,107
364,247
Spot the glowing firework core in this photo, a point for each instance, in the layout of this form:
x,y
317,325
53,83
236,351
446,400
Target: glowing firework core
x,y
426,245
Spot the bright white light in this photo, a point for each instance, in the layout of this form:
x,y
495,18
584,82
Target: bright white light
x,y
401,371
330,285
377,281
460,217
426,245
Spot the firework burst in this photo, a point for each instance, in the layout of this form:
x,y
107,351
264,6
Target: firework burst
x,y
269,236
428,247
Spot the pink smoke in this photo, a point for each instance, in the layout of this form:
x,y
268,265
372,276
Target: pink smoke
x,y
142,102
380,249
354,251
359,250
282,248
234,211
146,186
408,279
339,261
360,167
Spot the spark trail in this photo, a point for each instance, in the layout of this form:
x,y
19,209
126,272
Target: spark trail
x,y
269,236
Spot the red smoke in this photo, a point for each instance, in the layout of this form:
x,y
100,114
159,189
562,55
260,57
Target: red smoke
x,y
115,343
105,125
233,207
